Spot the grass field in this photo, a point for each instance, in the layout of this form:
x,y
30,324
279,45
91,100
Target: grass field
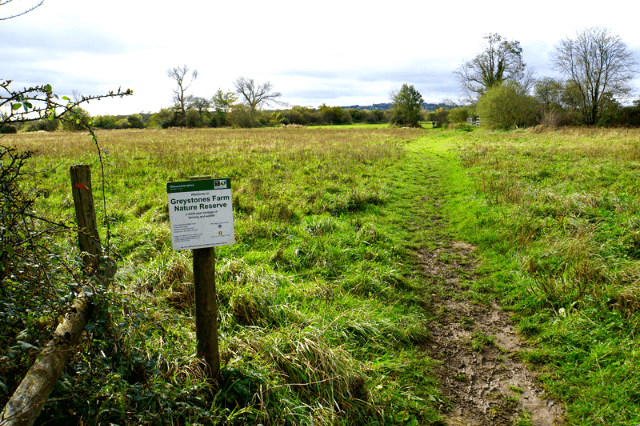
x,y
324,310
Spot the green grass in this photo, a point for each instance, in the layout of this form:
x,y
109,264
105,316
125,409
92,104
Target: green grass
x,y
321,316
323,305
556,215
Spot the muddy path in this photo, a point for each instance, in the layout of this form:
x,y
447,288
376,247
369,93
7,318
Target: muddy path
x,y
481,375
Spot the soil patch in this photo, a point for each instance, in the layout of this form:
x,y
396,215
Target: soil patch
x,y
480,372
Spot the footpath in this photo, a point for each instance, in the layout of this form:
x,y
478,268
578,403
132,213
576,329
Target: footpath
x,y
481,377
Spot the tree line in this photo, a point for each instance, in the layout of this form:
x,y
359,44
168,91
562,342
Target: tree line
x,y
596,69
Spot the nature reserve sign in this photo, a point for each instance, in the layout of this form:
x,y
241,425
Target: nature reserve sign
x,y
200,213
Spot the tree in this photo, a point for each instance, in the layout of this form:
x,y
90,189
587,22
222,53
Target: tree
x,y
506,106
256,95
179,74
135,121
407,106
500,61
222,105
198,111
23,12
597,62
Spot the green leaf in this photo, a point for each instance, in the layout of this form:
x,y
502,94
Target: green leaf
x,y
16,106
66,98
48,88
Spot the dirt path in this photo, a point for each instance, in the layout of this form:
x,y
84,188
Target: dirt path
x,y
480,374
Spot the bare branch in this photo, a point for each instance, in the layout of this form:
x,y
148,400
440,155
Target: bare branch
x,y
179,74
598,64
3,3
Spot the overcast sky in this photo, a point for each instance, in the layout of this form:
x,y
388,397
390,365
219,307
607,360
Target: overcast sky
x,y
338,52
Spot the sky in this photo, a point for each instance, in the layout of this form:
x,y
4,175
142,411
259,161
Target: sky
x,y
333,52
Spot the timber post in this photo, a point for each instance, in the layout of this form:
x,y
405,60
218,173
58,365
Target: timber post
x,y
88,237
204,281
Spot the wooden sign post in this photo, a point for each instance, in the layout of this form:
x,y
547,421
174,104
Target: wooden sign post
x,y
201,217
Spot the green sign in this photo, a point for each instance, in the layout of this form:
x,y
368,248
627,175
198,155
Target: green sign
x,y
201,213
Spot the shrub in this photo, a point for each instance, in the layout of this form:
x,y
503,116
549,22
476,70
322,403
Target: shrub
x,y
505,107
334,115
193,119
459,115
73,119
44,124
8,128
135,121
164,118
440,117
105,122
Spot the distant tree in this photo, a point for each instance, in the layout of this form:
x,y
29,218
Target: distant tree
x,y
200,104
222,103
23,12
241,116
555,104
407,106
334,115
79,121
505,107
183,82
44,124
104,122
598,63
135,121
459,115
439,117
255,95
164,118
500,61
548,91
198,111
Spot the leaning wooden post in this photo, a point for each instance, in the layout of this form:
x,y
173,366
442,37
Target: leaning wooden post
x,y
88,237
204,281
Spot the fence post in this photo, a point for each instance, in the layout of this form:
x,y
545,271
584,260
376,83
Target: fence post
x,y
88,237
204,281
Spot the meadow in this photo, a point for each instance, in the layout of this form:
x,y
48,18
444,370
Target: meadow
x,y
325,309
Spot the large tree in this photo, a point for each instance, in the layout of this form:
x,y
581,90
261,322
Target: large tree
x,y
599,65
183,82
499,61
255,95
407,106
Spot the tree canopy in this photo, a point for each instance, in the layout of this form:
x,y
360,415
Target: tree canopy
x,y
180,97
407,106
599,65
499,61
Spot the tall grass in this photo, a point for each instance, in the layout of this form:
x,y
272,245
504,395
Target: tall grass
x,y
558,215
312,297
